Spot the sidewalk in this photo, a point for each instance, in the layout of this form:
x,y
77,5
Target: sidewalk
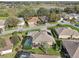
x,y
43,56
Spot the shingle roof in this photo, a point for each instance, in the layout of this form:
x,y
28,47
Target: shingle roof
x,y
59,30
70,32
42,36
33,19
72,47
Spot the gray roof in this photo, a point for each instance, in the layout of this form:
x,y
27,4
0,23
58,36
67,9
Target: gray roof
x,y
41,36
60,29
72,47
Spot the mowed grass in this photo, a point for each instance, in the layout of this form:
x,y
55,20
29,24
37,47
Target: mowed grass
x,y
3,18
35,51
50,51
65,25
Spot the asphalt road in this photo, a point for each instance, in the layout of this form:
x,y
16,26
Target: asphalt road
x,y
36,27
29,28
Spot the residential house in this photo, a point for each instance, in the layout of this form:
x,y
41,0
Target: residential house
x,y
21,22
2,25
33,21
77,20
44,19
68,33
5,46
40,37
70,48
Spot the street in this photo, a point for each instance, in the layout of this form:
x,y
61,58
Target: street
x,y
29,28
36,27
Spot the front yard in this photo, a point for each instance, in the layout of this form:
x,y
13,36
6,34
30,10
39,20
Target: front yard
x,y
50,51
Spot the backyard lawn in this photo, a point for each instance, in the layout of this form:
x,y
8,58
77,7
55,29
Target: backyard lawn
x,y
53,52
3,18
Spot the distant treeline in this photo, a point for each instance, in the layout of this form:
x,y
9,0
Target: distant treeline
x,y
41,2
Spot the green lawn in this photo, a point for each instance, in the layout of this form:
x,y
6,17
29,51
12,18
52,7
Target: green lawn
x,y
36,51
77,23
53,22
10,55
64,25
3,18
51,51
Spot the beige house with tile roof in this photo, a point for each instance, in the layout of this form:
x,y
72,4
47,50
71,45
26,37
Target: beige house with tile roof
x,y
33,21
69,33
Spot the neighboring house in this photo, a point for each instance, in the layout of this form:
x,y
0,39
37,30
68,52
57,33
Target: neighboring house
x,y
68,33
40,37
21,23
33,21
70,48
77,20
2,25
44,18
5,46
59,30
72,15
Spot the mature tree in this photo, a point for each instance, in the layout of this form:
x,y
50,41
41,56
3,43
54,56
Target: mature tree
x,y
15,38
42,12
55,10
27,12
76,9
68,10
3,13
11,22
72,20
54,17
